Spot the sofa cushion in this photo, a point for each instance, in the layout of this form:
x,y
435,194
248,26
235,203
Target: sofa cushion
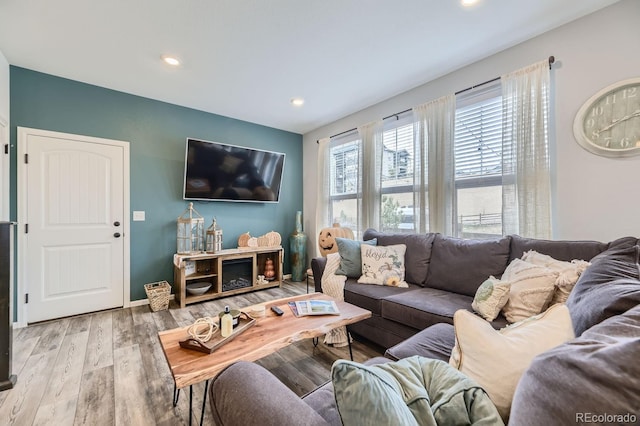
x,y
382,332
350,256
383,265
561,250
461,265
417,256
370,296
596,374
433,342
497,359
610,286
424,307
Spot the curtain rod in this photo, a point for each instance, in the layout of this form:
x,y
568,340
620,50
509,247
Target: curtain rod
x,y
552,59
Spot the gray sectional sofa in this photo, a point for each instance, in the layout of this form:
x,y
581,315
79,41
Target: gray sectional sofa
x,y
593,376
443,274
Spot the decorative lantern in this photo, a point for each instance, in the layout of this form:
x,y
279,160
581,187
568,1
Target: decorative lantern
x,y
214,238
190,232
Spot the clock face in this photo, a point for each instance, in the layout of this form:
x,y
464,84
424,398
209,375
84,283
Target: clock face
x,y
609,122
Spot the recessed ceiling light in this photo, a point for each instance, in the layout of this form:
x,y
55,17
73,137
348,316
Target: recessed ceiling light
x,y
469,2
297,101
171,60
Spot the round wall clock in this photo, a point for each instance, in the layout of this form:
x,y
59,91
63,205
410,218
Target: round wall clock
x,y
609,122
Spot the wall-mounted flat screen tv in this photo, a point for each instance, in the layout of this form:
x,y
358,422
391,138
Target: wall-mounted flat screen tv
x,y
216,171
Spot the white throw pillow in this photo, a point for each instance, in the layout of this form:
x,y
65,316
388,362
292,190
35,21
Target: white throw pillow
x,y
497,359
383,265
532,288
568,272
491,297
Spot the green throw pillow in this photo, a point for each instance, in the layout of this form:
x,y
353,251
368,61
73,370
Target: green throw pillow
x,y
368,396
411,391
350,256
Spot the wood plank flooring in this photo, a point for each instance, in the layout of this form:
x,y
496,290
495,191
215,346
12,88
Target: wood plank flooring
x,y
107,368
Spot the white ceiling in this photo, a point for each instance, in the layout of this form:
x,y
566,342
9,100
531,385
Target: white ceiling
x,y
247,58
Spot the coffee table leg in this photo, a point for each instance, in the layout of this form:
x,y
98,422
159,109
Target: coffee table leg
x,y
176,395
190,404
204,402
349,341
315,341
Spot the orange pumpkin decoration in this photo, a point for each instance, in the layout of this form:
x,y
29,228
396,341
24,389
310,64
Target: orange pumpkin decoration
x,y
243,240
327,238
270,239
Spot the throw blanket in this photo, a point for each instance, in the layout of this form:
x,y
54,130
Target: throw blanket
x,y
412,391
333,285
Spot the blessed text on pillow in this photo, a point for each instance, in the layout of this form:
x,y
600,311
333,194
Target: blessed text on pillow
x,y
383,265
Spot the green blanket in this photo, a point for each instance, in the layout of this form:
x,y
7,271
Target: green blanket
x,y
412,391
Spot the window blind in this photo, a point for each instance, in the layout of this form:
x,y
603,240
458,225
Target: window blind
x,y
478,139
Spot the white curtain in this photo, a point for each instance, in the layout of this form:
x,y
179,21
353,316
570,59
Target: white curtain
x,y
434,166
324,189
370,176
526,192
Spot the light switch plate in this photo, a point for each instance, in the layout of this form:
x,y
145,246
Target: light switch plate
x,y
138,216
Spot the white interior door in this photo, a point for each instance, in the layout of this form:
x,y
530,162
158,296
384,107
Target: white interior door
x,y
75,211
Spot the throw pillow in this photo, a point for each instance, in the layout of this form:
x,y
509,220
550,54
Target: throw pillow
x,y
497,359
350,261
367,396
491,297
412,391
568,272
383,265
532,288
417,257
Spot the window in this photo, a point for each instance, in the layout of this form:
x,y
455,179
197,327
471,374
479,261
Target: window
x,y
397,175
478,164
471,173
343,157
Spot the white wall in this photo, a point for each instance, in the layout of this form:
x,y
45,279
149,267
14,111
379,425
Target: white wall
x,y
4,137
593,197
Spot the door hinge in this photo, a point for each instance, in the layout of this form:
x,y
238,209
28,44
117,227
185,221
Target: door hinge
x,y
6,148
26,159
26,228
26,298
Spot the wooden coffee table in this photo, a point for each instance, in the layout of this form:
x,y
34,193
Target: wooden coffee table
x,y
268,335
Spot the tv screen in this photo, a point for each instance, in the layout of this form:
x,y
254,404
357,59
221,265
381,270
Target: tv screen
x,y
216,171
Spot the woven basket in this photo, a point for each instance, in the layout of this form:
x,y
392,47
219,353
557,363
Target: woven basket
x,y
158,294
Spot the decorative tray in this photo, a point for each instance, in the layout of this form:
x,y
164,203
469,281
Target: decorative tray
x,y
245,321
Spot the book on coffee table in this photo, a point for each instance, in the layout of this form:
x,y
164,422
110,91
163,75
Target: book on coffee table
x,y
314,307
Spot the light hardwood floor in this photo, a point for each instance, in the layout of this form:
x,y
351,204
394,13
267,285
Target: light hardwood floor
x,y
107,368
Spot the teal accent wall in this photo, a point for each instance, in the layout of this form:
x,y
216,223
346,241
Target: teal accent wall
x,y
157,132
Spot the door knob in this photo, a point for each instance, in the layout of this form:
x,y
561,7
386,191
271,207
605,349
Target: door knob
x,y
116,223
117,235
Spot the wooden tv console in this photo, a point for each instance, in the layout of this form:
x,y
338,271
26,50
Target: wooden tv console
x,y
218,269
